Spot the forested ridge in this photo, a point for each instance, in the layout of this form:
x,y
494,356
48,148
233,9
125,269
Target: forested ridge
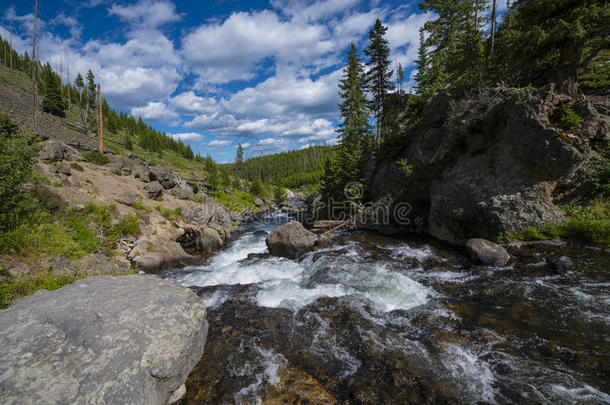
x,y
288,169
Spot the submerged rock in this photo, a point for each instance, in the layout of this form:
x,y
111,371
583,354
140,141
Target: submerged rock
x,y
487,252
101,340
290,240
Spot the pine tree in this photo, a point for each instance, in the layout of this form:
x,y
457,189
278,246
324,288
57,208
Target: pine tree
x,y
239,158
80,84
52,100
423,77
379,75
354,130
544,41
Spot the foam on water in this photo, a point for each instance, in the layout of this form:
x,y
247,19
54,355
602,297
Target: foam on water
x,y
291,284
468,368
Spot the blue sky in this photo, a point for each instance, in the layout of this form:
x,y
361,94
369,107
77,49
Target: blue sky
x,y
216,73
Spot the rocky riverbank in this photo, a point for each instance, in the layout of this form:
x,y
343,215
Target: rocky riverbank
x,y
496,163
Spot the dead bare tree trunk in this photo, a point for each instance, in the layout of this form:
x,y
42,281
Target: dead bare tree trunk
x,y
11,49
69,87
101,118
493,27
34,59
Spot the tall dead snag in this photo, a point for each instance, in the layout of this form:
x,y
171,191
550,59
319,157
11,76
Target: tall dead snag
x,y
34,59
101,118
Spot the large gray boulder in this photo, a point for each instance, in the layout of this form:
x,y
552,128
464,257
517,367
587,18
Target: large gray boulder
x,y
290,240
163,175
52,151
102,340
487,252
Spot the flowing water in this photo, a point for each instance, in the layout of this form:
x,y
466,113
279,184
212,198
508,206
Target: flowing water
x,y
383,320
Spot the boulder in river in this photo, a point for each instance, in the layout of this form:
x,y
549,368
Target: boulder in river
x,y
487,252
102,340
290,240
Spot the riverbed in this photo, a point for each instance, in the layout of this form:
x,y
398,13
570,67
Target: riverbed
x,y
374,319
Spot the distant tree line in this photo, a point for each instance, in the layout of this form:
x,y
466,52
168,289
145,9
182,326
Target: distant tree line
x,y
291,169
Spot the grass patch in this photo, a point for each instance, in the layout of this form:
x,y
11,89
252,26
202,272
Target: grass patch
x,y
169,214
71,234
96,158
76,166
237,200
13,289
590,224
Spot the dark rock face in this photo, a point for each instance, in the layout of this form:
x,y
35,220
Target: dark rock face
x,y
498,161
290,240
52,150
154,189
163,175
487,252
102,340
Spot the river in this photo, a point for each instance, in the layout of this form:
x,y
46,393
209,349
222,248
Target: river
x,y
377,320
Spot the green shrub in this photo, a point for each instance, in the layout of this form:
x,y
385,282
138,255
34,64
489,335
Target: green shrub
x,y
587,230
76,166
257,187
14,289
129,225
128,143
96,158
169,214
569,119
18,152
279,195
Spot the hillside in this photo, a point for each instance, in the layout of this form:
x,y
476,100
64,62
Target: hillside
x,y
289,169
16,101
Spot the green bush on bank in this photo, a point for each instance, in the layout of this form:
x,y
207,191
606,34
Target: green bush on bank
x,y
590,224
13,289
